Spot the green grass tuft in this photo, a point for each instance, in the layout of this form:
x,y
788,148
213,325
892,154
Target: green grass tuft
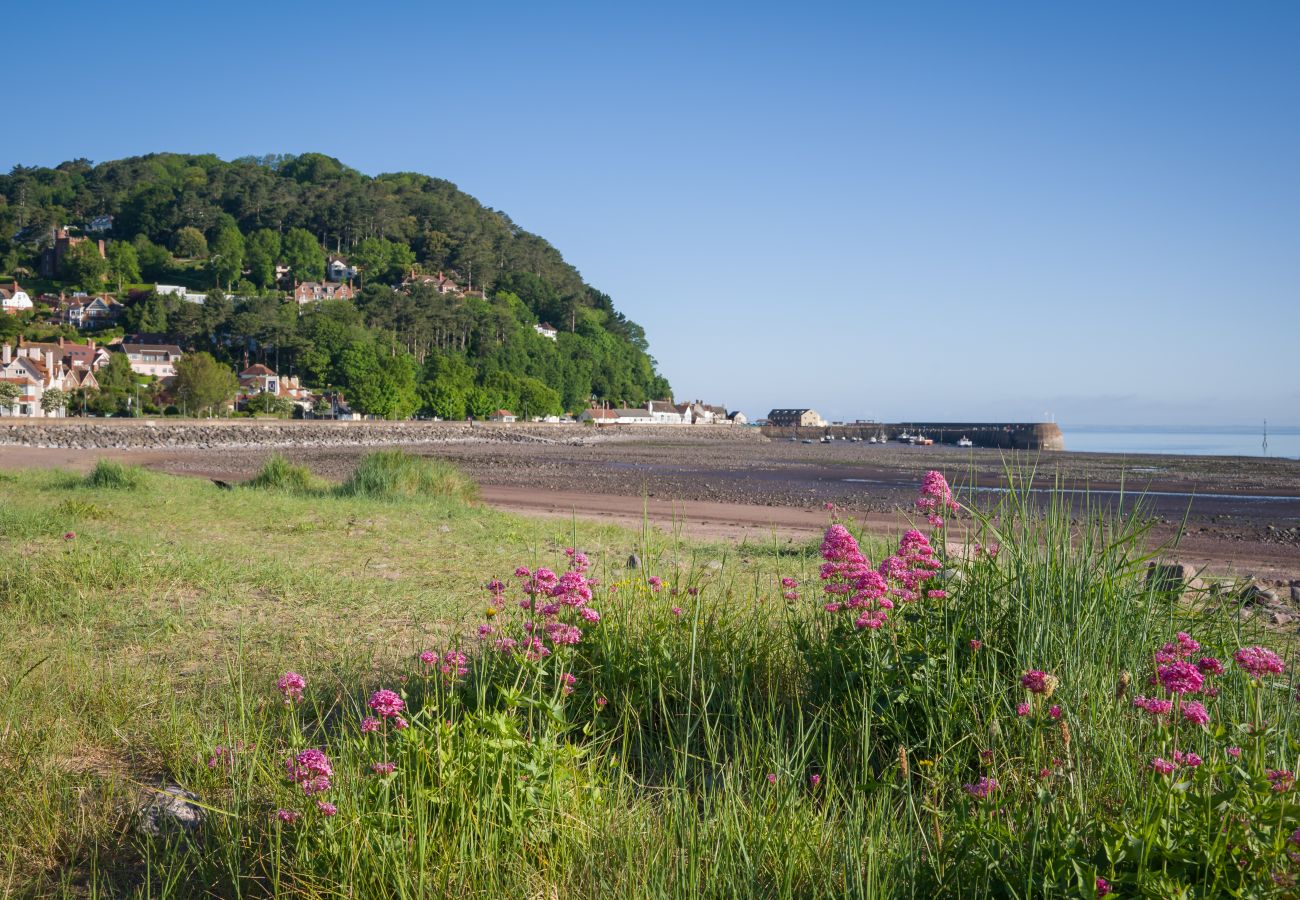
x,y
278,474
112,475
394,474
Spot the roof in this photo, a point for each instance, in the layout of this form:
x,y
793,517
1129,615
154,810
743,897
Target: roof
x,y
546,326
256,370
158,348
789,412
632,413
602,414
503,412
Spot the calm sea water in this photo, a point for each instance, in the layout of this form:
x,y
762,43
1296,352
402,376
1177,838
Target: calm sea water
x,y
1283,440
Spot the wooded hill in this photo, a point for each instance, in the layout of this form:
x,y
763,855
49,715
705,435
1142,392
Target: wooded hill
x,y
225,226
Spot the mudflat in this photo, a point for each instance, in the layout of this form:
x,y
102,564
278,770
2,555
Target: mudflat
x,y
1236,515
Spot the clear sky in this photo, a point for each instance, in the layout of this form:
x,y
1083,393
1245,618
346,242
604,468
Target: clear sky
x,y
906,211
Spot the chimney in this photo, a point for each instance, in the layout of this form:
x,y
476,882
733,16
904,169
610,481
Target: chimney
x,y
49,364
6,354
60,340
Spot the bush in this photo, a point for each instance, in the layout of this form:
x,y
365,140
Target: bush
x,y
391,474
278,474
115,476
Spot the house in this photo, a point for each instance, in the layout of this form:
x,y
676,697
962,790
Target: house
x,y
99,223
665,412
316,291
440,282
737,418
150,356
338,270
35,372
52,257
259,379
81,357
502,415
633,417
599,416
83,311
333,406
796,418
14,300
546,330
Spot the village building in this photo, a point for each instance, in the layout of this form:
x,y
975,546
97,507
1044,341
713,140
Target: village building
x,y
502,415
546,330
665,412
737,418
71,355
316,291
52,258
338,270
85,312
151,357
599,416
633,417
35,370
14,300
440,282
796,418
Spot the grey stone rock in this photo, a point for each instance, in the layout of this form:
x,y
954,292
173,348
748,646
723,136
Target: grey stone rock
x,y
1174,578
634,561
1295,592
171,810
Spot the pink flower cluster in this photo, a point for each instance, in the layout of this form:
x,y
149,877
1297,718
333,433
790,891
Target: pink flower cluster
x,y
560,603
1180,677
1035,681
852,584
291,685
310,770
1259,661
1281,779
454,664
935,497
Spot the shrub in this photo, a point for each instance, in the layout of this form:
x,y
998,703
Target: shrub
x,y
392,474
114,475
278,474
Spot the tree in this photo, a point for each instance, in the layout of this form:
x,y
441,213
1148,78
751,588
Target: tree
x,y
154,258
226,259
303,255
261,253
380,385
83,267
203,383
52,400
9,394
123,263
191,244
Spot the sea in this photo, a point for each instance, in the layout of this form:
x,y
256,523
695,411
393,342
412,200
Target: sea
x,y
1199,440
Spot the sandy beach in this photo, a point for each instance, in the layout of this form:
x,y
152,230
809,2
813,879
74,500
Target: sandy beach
x,y
1239,516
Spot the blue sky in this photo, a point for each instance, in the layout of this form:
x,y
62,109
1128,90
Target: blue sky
x,y
904,211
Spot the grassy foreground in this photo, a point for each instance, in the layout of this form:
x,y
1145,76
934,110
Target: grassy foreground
x,y
347,683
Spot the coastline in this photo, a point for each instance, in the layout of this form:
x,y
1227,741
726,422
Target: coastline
x,y
1238,516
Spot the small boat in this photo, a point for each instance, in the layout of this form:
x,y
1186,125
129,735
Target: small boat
x,y
827,439
923,441
806,441
965,442
872,440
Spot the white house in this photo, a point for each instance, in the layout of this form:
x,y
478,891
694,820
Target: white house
x,y
338,270
664,413
502,415
633,417
14,300
546,330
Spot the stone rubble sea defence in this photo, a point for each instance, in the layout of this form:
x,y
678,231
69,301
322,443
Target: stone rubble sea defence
x,y
148,434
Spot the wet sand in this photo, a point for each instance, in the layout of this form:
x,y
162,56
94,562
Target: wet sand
x,y
1242,515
